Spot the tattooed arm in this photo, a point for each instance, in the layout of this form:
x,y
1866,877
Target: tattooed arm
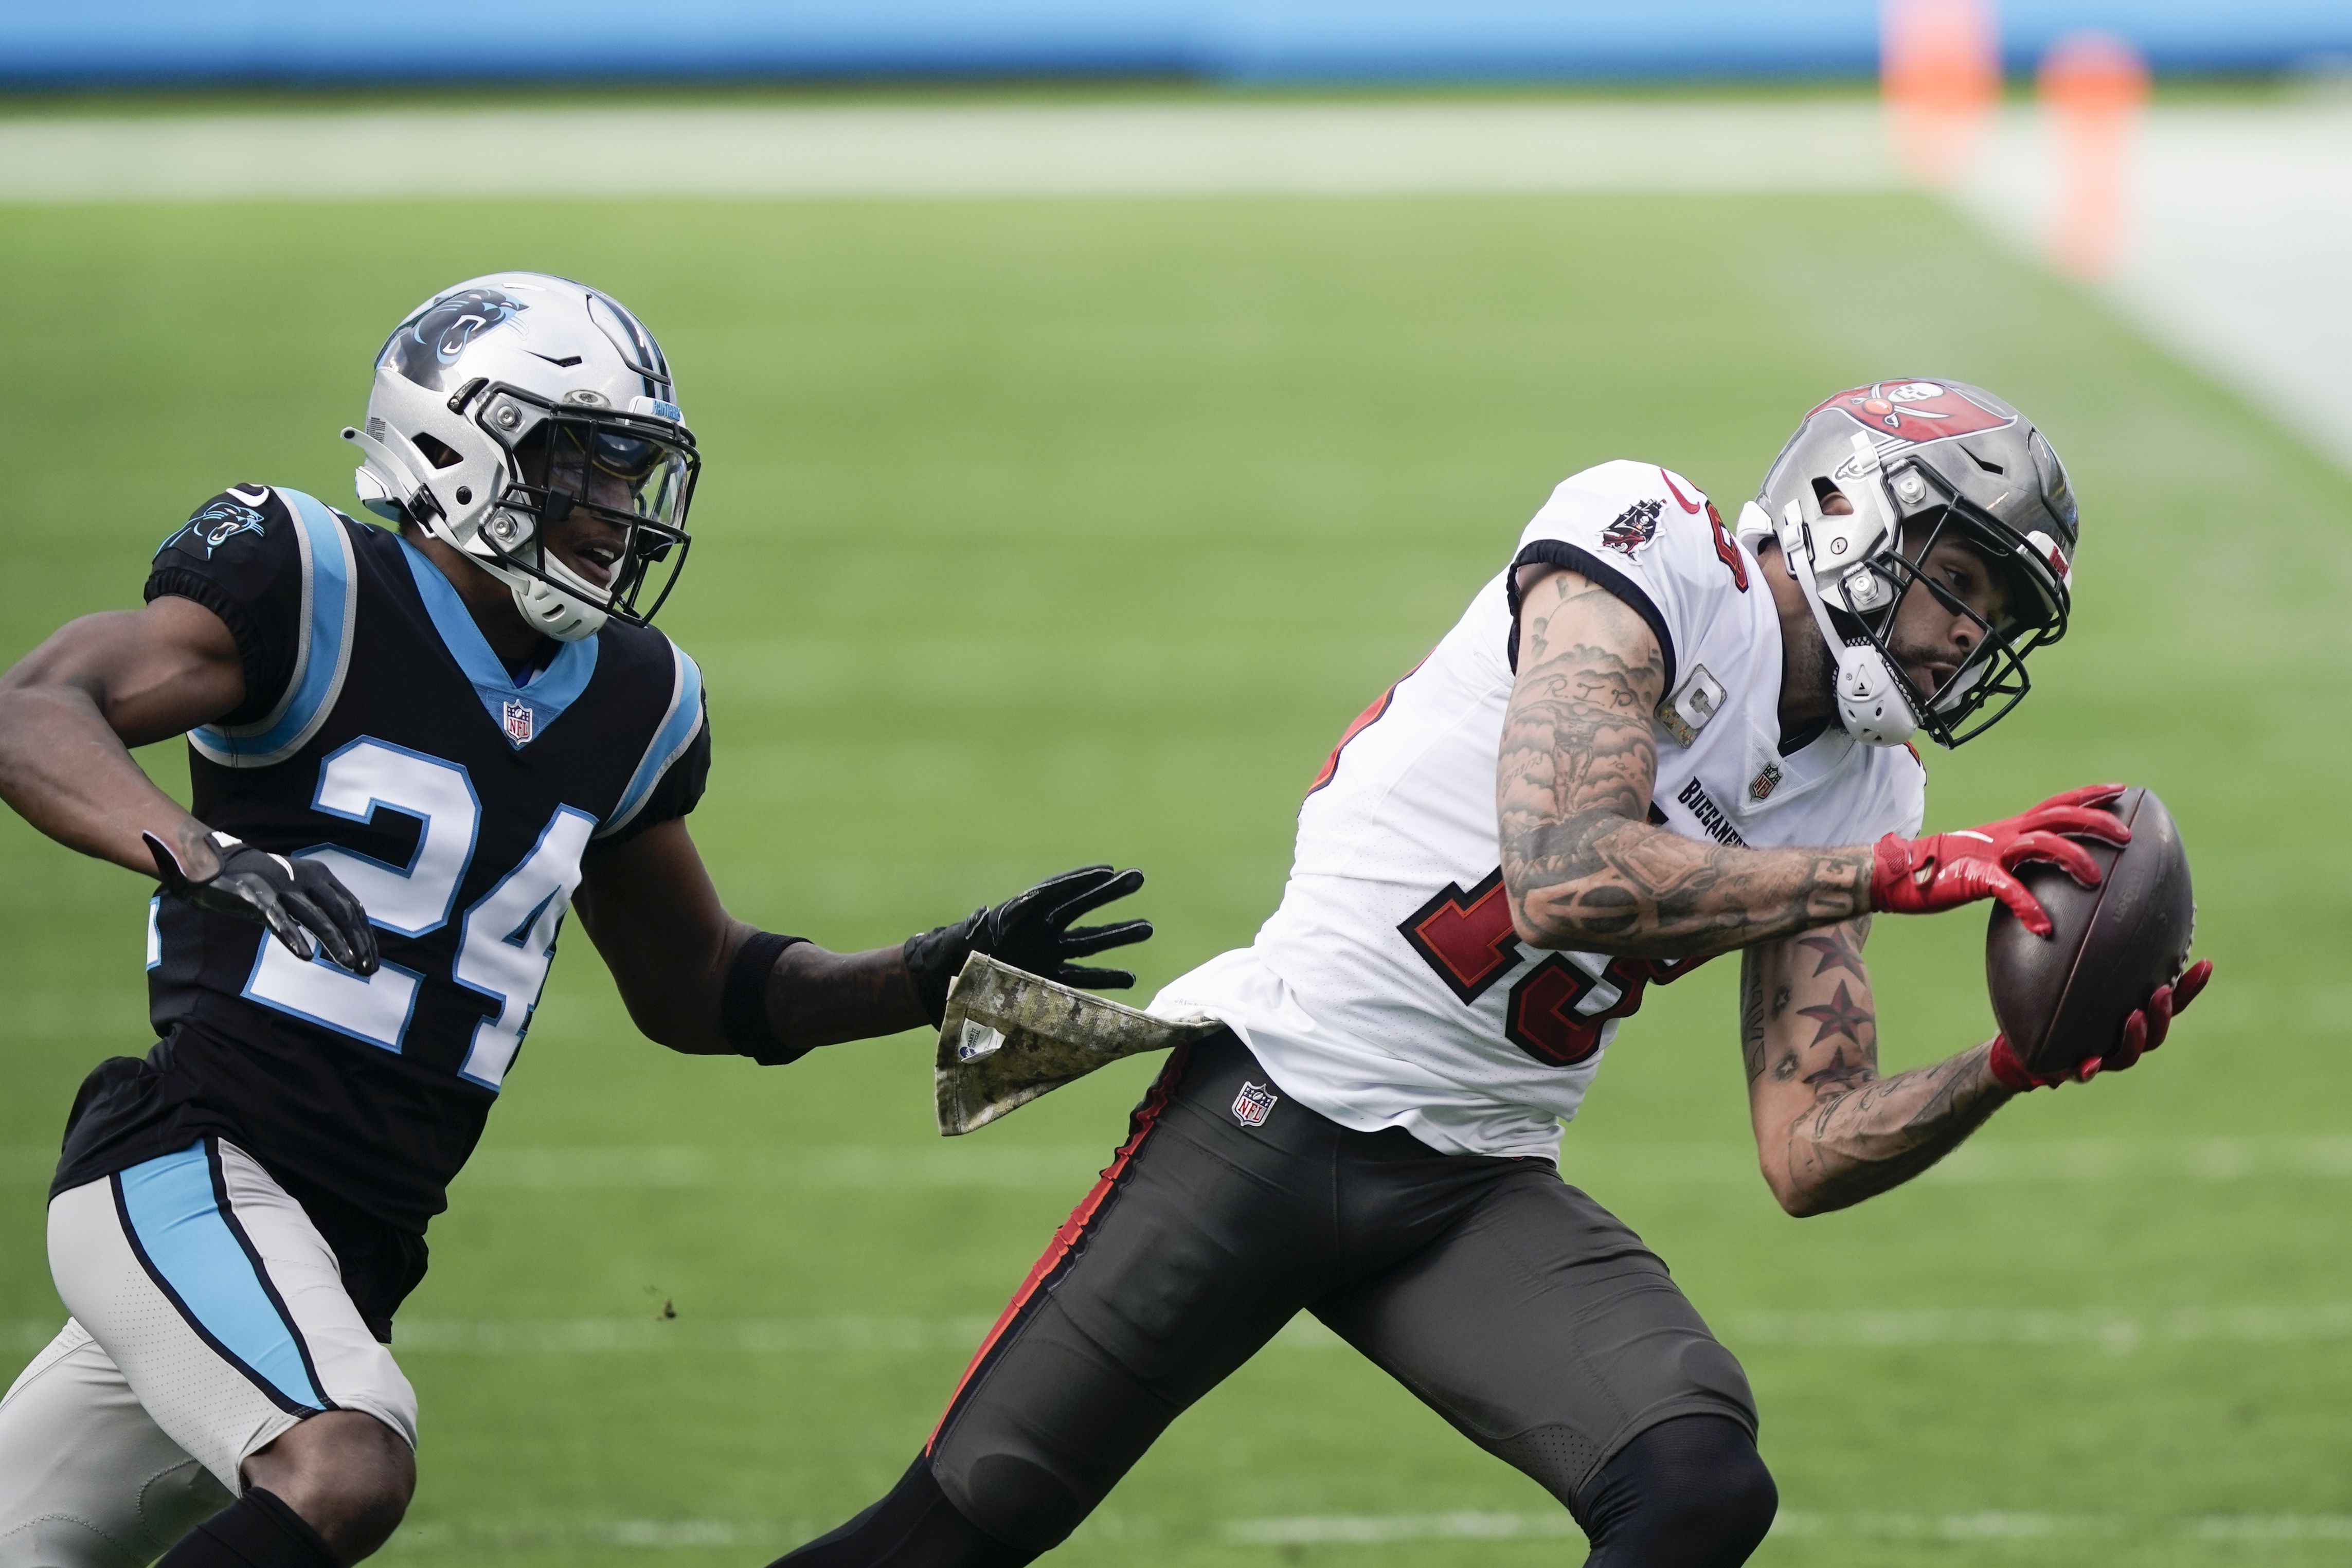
x,y
1829,1131
1582,865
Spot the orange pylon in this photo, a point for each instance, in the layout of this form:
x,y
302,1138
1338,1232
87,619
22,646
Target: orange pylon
x,y
2094,87
1939,69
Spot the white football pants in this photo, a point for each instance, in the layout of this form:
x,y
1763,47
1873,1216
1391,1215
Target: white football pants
x,y
208,1317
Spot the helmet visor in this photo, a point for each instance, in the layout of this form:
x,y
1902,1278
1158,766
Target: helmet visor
x,y
622,473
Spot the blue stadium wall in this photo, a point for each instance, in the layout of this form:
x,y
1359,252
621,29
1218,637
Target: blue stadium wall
x,y
44,43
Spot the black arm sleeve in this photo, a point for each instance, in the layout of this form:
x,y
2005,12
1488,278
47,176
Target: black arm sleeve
x,y
238,558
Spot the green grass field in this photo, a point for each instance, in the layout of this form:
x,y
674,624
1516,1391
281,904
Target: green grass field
x,y
1039,533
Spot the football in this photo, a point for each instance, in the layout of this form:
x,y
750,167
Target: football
x,y
2064,999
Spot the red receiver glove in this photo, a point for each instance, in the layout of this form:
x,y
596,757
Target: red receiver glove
x,y
2144,1030
1944,871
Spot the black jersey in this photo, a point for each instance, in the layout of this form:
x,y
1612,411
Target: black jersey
x,y
381,737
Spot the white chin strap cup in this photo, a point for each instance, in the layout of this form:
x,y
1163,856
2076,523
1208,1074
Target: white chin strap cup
x,y
1871,706
550,610
1869,700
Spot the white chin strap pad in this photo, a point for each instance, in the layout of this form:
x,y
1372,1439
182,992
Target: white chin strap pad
x,y
550,610
1871,704
1869,700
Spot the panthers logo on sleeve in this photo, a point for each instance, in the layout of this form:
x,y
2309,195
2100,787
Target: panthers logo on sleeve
x,y
219,522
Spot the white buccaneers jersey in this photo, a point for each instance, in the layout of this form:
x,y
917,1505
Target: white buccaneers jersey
x,y
1389,990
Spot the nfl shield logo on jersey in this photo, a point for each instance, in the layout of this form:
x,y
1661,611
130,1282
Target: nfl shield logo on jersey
x,y
1761,787
518,720
1254,1104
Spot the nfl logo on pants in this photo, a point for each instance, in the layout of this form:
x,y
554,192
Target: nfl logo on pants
x,y
1254,1103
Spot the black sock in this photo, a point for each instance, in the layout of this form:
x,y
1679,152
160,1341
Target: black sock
x,y
913,1526
256,1531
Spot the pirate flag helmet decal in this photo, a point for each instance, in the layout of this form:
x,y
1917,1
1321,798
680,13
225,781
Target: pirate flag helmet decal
x,y
1921,461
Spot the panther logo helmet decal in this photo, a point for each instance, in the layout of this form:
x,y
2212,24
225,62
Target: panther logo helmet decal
x,y
424,347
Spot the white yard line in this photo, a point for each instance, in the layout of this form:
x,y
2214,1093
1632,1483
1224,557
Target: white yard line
x,y
1108,150
643,1534
1378,1529
2233,1531
2118,1332
2243,212
1316,1530
976,1165
930,1167
981,1166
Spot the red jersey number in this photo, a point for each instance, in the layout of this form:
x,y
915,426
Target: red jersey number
x,y
1467,938
1725,551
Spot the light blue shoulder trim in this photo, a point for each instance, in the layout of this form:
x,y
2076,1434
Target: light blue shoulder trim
x,y
521,712
671,738
322,655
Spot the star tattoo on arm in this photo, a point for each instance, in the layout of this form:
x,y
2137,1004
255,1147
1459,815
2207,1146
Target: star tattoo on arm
x,y
1829,1131
1839,1015
1838,951
1842,1074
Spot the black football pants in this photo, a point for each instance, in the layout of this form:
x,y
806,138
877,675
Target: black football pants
x,y
1513,1304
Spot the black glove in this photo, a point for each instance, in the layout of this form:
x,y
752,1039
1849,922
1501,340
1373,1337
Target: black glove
x,y
1031,931
287,895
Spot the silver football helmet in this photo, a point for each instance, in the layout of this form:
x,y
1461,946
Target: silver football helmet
x,y
1921,461
508,403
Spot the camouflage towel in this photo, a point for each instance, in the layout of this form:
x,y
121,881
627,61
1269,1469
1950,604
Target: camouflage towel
x,y
1011,1036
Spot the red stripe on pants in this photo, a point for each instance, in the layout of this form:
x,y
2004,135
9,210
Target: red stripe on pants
x,y
1073,1230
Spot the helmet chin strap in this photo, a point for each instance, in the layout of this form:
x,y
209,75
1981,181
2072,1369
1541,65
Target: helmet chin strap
x,y
1870,701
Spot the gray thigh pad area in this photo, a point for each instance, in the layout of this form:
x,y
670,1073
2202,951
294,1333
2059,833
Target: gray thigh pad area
x,y
1545,1330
